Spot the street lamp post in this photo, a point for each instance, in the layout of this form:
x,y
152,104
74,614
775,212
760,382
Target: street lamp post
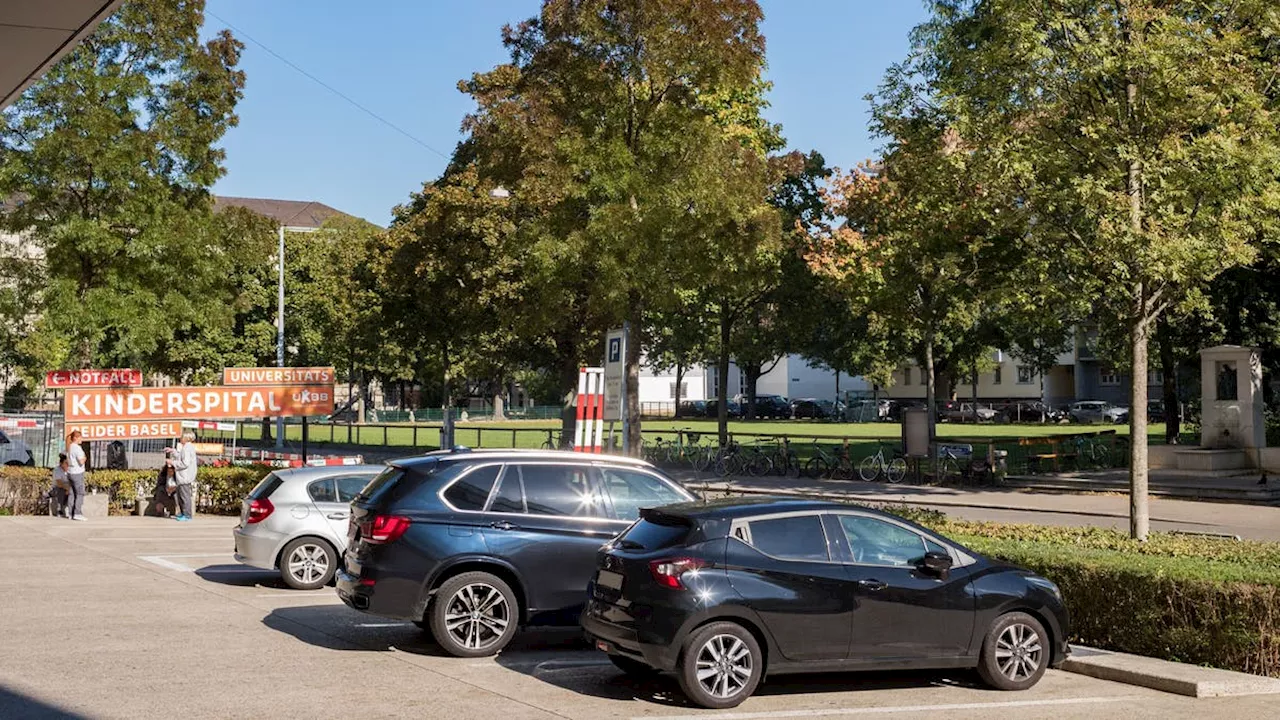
x,y
280,333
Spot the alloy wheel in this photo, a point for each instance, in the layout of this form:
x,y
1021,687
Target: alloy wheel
x,y
1018,652
724,666
308,563
477,616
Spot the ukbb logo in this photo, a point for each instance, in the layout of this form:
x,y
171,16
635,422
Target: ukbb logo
x,y
308,396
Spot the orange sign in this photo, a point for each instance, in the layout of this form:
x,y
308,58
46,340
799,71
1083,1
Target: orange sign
x,y
126,430
209,448
196,403
92,378
278,376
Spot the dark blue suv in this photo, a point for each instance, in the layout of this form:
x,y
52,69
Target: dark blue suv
x,y
471,544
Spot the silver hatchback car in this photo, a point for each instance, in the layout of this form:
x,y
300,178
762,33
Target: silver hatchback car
x,y
295,521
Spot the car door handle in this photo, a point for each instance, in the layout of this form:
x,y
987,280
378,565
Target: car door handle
x,y
872,585
504,525
337,516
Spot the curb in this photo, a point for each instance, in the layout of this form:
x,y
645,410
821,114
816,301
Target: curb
x,y
1166,676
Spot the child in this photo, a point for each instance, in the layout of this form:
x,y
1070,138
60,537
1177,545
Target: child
x,y
57,495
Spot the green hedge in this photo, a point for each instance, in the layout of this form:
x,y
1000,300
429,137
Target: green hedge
x,y
221,488
1208,601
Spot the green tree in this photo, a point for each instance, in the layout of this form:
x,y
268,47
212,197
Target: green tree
x,y
1140,134
605,120
111,156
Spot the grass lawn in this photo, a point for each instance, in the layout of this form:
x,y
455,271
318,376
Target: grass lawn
x,y
533,433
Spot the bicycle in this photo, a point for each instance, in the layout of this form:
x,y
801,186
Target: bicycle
x,y
875,466
836,466
697,455
958,461
565,442
1093,452
785,461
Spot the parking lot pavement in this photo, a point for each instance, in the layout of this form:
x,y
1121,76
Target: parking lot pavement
x,y
147,618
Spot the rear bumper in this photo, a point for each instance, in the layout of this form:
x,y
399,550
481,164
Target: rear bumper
x,y
618,640
364,597
256,548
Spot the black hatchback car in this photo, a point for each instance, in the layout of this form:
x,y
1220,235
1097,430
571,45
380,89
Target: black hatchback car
x,y
724,592
471,544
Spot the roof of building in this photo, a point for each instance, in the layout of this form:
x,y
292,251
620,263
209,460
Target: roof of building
x,y
37,34
289,213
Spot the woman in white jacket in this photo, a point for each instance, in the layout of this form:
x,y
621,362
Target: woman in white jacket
x,y
183,460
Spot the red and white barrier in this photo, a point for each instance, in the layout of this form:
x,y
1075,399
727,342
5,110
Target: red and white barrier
x,y
294,460
588,434
209,425
21,423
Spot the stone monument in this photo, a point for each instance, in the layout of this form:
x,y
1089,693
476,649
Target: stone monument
x,y
1232,430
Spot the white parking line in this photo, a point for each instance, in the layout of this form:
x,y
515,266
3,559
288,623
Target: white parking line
x,y
543,664
381,625
157,560
888,710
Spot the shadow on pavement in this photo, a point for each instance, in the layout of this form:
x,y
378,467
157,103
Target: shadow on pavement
x,y
17,705
240,576
337,627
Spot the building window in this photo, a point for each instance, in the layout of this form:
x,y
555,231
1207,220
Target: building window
x,y
684,390
998,373
1108,376
1155,377
906,375
1026,375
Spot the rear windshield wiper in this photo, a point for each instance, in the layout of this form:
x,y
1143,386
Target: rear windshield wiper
x,y
629,545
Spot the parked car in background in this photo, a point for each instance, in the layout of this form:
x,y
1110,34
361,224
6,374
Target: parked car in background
x,y
966,412
1031,411
766,406
693,408
712,591
13,451
1155,411
812,408
295,521
733,409
472,544
868,410
896,408
1097,411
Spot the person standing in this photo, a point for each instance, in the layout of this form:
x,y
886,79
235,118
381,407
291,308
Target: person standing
x,y
184,465
75,475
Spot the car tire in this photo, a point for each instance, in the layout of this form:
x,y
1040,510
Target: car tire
x,y
1015,652
700,653
632,667
474,615
308,563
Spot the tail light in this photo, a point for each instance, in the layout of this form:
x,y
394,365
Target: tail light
x,y
259,510
668,572
382,529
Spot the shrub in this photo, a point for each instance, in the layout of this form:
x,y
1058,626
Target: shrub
x,y
221,488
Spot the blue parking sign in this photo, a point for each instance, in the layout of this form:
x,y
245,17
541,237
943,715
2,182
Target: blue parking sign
x,y
615,350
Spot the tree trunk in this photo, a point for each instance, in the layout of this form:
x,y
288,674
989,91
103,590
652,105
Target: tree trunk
x,y
679,380
633,385
499,409
930,391
1139,520
1169,390
722,388
569,412
1139,328
752,373
975,396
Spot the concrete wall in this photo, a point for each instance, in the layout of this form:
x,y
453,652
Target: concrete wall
x,y
655,387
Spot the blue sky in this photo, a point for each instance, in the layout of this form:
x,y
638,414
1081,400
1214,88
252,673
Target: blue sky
x,y
402,59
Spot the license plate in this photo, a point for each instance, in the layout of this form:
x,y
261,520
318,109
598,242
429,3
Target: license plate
x,y
609,579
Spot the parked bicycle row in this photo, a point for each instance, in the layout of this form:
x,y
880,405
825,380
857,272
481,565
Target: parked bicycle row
x,y
882,460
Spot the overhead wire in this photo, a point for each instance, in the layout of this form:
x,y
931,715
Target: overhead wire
x,y
325,85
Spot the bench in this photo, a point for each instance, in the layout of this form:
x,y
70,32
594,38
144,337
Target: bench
x,y
1057,457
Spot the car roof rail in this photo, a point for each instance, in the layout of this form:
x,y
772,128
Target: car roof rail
x,y
459,449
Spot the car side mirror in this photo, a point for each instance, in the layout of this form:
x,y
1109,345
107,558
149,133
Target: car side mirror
x,y
935,563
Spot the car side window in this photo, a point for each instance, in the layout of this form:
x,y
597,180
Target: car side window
x,y
471,491
631,490
559,490
349,486
799,537
875,542
510,495
323,490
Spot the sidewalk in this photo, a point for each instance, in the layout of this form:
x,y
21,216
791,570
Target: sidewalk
x,y
1236,486
1011,504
